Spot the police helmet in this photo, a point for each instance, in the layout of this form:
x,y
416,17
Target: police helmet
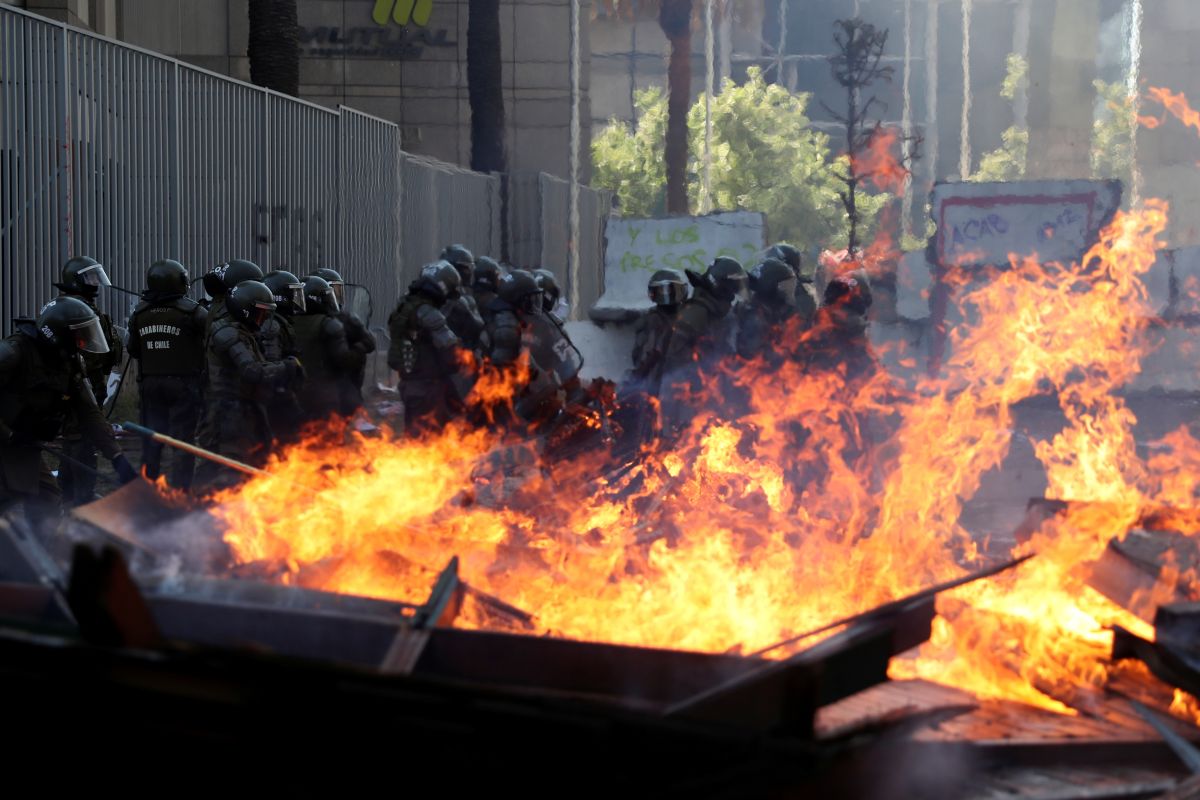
x,y
519,288
441,279
71,326
334,279
850,291
82,276
251,303
288,291
319,297
667,288
487,273
167,276
773,281
221,279
549,286
726,278
463,260
788,254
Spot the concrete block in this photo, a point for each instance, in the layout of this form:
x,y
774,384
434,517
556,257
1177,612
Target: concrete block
x,y
369,72
419,111
239,67
542,76
334,13
540,112
387,107
607,350
611,36
202,27
152,24
540,149
442,76
319,71
542,32
239,27
218,64
612,95
913,280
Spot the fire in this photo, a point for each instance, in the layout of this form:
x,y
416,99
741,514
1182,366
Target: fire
x,y
795,496
878,163
1174,103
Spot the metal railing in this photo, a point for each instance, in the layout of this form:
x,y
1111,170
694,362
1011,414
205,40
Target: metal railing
x,y
128,156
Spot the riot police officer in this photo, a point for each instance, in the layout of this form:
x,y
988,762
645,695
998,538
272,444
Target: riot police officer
x,y
221,279
761,328
240,379
166,336
462,312
553,303
806,292
701,328
329,361
82,278
487,280
430,358
277,339
42,383
357,334
839,340
668,290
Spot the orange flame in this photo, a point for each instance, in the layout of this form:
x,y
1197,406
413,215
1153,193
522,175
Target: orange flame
x,y
1174,103
801,491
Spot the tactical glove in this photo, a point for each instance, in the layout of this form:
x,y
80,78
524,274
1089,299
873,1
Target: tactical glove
x,y
125,470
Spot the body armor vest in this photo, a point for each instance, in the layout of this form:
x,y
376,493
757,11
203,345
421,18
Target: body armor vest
x,y
170,344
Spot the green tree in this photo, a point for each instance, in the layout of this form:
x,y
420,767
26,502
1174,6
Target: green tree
x,y
1112,132
1008,162
766,157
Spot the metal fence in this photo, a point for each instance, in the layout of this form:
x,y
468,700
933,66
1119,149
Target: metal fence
x,y
128,156
539,233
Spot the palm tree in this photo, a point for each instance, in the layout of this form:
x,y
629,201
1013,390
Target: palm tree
x,y
484,87
274,46
675,19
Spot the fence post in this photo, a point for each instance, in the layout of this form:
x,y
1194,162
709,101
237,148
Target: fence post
x,y
64,145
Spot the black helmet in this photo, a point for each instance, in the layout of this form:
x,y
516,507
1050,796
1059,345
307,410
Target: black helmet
x,y
487,273
82,276
167,276
334,279
441,280
251,303
773,282
71,326
287,290
319,297
463,261
667,288
519,288
850,291
221,279
549,286
787,254
725,278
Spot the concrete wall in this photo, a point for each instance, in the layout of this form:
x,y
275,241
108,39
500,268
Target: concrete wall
x,y
424,91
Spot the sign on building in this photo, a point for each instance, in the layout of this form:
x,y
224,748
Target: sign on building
x,y
637,248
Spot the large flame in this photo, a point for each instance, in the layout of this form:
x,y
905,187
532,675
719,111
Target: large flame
x,y
799,492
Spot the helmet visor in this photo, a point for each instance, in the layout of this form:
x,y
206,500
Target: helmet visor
x,y
89,336
332,306
667,293
530,303
294,293
738,286
258,314
93,275
339,293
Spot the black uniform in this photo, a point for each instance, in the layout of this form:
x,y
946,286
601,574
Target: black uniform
x,y
277,340
78,482
463,317
427,354
166,336
239,381
761,330
362,341
329,361
651,341
39,391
